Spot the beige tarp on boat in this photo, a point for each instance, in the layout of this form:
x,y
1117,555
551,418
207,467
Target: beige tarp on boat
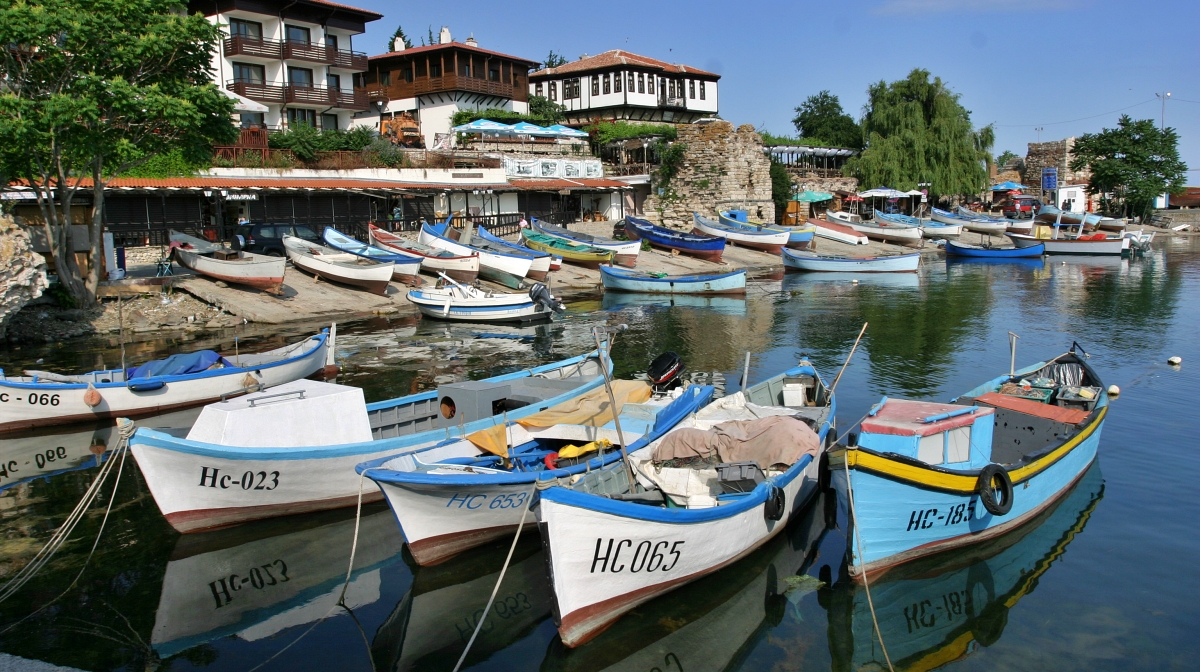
x,y
767,441
592,409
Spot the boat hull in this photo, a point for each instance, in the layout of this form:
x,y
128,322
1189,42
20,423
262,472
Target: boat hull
x,y
724,283
372,283
405,267
906,235
703,247
994,253
592,257
526,311
254,270
901,263
461,268
624,253
1107,247
741,233
840,232
505,269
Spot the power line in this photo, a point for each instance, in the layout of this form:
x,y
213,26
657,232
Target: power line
x,y
1070,121
1183,100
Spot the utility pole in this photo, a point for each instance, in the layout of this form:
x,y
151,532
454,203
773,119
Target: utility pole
x,y
1162,119
1039,132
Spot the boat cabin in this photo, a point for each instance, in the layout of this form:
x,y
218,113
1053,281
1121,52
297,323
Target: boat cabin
x,y
942,435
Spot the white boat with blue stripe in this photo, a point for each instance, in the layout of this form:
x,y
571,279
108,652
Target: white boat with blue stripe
x,y
502,265
405,267
464,303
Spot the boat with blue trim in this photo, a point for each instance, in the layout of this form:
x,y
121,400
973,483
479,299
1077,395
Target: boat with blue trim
x,y
718,486
693,244
811,262
982,252
755,236
405,267
972,221
625,252
925,477
621,280
500,265
800,236
587,256
450,300
542,261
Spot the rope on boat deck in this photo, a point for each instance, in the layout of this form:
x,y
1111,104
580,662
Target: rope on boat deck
x,y
500,579
125,429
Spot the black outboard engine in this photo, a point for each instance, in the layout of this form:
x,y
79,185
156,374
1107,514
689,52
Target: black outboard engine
x,y
666,371
541,295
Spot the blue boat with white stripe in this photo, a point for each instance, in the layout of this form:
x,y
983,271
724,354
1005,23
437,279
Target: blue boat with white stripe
x,y
405,267
694,244
621,280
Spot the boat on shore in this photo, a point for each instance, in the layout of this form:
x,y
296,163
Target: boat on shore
x,y
890,230
720,485
739,233
463,268
970,470
625,252
820,263
1091,244
693,244
982,252
620,280
971,221
43,398
840,232
294,450
936,229
1049,214
337,266
542,262
405,267
575,253
241,268
800,236
466,303
505,267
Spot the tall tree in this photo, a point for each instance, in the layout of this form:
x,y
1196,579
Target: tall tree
x,y
821,118
92,88
547,110
554,60
399,34
1134,163
917,131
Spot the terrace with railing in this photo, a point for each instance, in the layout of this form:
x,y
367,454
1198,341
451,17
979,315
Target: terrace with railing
x,y
305,95
257,47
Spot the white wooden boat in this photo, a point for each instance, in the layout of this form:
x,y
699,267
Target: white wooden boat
x,y
405,267
820,263
255,270
463,268
625,252
892,231
838,231
1094,244
935,229
465,303
506,267
41,398
740,233
337,266
843,217
192,243
612,545
293,450
539,268
1019,226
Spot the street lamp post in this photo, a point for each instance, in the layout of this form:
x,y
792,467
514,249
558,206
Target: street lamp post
x,y
645,158
1039,130
1162,120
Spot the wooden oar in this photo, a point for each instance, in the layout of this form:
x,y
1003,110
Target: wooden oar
x,y
839,376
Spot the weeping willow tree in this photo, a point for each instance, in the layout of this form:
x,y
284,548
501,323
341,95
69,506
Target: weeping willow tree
x,y
916,131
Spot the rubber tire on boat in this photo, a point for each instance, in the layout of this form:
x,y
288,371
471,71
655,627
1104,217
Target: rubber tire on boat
x,y
987,491
776,500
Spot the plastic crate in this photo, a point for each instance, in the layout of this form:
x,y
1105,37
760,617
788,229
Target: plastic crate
x,y
739,476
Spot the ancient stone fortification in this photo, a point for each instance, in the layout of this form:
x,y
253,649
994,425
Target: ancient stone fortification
x,y
1055,154
22,271
804,179
722,169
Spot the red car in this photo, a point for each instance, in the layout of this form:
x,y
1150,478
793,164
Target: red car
x,y
1021,207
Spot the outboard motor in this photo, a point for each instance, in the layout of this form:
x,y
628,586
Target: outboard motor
x,y
666,371
541,295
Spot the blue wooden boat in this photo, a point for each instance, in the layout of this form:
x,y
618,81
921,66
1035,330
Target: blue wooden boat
x,y
625,252
799,237
694,244
405,267
755,235
820,263
897,218
926,477
965,250
498,264
538,269
617,279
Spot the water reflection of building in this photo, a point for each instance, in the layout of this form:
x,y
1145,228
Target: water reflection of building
x,y
942,609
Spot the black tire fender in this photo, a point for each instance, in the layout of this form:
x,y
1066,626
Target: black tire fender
x,y
995,489
776,501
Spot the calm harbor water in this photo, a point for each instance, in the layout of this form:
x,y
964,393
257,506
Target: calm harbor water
x,y
1105,580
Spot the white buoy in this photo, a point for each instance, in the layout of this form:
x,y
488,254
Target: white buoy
x,y
1114,391
854,281
1175,361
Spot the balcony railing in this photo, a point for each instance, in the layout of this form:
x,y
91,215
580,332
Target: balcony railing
x,y
241,45
424,85
304,95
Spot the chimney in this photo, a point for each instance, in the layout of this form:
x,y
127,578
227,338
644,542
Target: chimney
x,y
471,41
444,36
398,44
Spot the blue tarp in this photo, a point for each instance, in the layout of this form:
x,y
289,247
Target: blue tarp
x,y
177,365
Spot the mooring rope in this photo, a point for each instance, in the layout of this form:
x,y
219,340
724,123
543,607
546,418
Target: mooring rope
x,y
125,429
354,544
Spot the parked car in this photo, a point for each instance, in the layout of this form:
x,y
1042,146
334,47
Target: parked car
x,y
268,238
1021,207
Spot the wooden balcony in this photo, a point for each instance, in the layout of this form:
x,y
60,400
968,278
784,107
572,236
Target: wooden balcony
x,y
263,93
240,45
425,85
303,95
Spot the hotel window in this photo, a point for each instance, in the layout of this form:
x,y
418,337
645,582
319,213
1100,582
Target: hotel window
x,y
494,74
650,85
702,89
571,88
251,30
537,89
641,82
297,117
333,81
553,91
408,74
385,78
464,69
297,34
692,89
331,41
435,69
300,77
617,82
595,85
329,122
607,83
244,73
253,120
630,80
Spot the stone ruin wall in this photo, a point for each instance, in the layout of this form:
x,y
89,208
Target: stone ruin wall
x,y
22,271
722,169
1056,154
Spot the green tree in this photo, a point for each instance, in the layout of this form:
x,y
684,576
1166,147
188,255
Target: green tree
x,y
1134,162
554,60
95,88
391,45
541,107
917,131
1005,157
781,188
821,118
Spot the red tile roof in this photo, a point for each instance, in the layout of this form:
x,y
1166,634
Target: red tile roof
x,y
282,183
451,45
618,57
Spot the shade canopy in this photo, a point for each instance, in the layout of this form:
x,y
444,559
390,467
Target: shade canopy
x,y
484,126
883,192
1008,186
244,104
808,196
567,131
526,128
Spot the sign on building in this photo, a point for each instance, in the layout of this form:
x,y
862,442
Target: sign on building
x,y
1050,179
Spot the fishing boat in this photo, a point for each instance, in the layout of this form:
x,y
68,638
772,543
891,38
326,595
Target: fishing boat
x,y
458,302
889,229
405,267
192,243
1049,214
800,236
694,244
926,477
983,252
842,233
723,304
576,253
505,267
294,450
824,263
241,268
620,280
625,252
463,268
1096,243
721,484
843,217
424,488
747,235
542,263
42,398
935,229
1112,224
1019,226
337,266
974,222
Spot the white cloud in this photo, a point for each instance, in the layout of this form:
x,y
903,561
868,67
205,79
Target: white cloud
x,y
970,6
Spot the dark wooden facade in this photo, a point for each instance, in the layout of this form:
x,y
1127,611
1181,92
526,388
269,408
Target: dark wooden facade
x,y
446,68
308,11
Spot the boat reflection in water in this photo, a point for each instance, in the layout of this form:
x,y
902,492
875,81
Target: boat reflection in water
x,y
888,280
940,609
1010,262
708,624
259,579
723,305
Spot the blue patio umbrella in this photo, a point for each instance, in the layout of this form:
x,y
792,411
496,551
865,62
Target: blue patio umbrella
x,y
484,126
1008,186
567,131
526,128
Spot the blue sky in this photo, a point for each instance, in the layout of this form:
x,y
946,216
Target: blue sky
x,y
1018,64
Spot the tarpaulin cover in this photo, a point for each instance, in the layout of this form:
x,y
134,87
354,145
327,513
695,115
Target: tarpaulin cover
x,y
178,365
592,409
768,441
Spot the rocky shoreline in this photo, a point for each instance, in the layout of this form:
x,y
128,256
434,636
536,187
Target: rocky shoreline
x,y
46,322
